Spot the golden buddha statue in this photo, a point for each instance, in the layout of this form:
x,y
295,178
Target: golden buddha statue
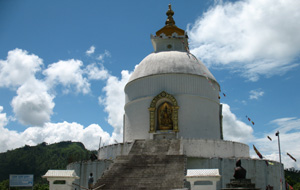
x,y
164,116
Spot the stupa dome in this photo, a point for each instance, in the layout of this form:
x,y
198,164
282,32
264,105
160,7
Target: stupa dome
x,y
170,62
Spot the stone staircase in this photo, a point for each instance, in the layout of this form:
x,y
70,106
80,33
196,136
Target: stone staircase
x,y
150,164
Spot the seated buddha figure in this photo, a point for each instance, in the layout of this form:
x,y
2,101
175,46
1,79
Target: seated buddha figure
x,y
165,117
239,171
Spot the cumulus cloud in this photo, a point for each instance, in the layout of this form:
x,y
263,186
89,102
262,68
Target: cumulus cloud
x,y
289,129
69,74
114,101
18,67
56,132
52,133
33,104
9,139
255,94
234,129
255,38
91,50
3,118
96,73
103,55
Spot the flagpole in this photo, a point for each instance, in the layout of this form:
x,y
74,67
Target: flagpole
x,y
281,180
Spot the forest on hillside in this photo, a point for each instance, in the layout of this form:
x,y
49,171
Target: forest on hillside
x,y
37,160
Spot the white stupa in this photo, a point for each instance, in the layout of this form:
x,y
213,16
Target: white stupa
x,y
172,95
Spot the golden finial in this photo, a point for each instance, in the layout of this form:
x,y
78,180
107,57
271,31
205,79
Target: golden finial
x,y
170,26
170,21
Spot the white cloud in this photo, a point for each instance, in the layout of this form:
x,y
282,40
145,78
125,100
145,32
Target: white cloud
x,y
69,74
9,139
96,73
54,132
251,37
103,55
114,101
18,68
255,94
91,50
33,104
289,129
3,118
234,129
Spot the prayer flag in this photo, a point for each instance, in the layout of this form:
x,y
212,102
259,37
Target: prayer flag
x,y
288,186
269,138
257,152
291,157
267,163
252,123
271,163
249,119
224,95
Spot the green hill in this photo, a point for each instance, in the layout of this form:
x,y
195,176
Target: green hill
x,y
292,176
37,160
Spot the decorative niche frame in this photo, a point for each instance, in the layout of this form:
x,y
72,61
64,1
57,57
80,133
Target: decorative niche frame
x,y
157,101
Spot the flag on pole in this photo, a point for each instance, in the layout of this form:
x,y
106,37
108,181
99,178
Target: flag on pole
x,y
257,152
291,157
269,138
288,186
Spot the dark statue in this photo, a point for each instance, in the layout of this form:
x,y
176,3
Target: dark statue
x,y
239,171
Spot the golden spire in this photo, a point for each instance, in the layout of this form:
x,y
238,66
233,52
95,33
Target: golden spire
x,y
170,21
170,26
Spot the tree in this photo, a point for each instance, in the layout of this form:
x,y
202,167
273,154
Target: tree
x,y
296,186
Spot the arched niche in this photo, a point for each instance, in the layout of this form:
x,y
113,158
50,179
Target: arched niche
x,y
163,112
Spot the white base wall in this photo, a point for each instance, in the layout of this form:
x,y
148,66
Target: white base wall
x,y
83,170
191,147
112,151
257,170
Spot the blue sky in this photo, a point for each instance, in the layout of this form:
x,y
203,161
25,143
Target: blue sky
x,y
64,64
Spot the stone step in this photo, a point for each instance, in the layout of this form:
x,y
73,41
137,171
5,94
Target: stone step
x,y
156,147
148,166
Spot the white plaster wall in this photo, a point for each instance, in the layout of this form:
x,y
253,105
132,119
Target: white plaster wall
x,y
160,44
214,148
213,180
198,117
66,186
114,150
173,83
257,170
191,148
199,107
83,170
